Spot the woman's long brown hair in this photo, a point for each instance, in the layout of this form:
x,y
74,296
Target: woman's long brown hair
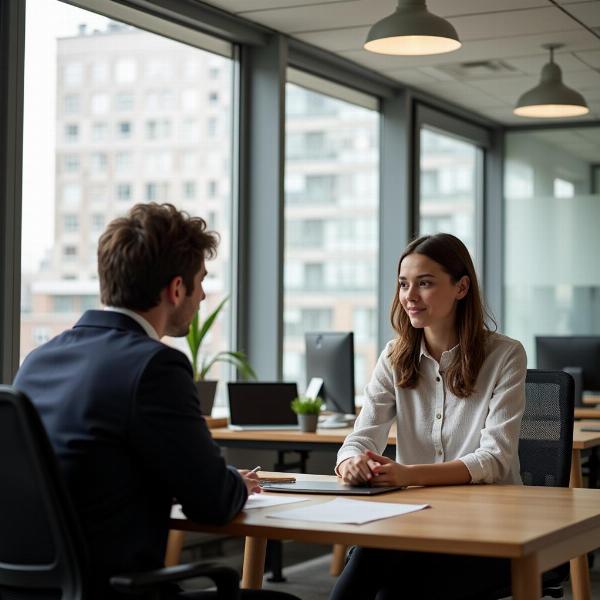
x,y
452,255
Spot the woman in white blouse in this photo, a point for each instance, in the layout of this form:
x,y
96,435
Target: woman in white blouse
x,y
456,391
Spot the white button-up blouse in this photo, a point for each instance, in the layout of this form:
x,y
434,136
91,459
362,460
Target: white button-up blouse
x,y
434,426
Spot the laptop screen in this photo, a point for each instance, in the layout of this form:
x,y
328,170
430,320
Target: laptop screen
x,y
261,403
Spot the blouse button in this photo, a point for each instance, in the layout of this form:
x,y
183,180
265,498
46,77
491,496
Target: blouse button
x,y
439,452
438,416
437,379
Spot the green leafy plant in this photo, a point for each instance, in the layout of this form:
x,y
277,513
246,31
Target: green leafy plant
x,y
195,337
306,406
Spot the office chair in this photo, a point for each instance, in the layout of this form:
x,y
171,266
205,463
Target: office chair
x,y
42,550
545,445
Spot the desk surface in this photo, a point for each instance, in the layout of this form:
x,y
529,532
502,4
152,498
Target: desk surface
x,y
581,439
484,520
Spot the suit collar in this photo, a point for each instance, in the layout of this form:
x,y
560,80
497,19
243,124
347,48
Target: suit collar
x,y
109,320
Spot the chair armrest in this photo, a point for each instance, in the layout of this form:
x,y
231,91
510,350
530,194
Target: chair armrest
x,y
226,579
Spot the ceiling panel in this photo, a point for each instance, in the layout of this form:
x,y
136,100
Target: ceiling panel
x,y
588,12
510,33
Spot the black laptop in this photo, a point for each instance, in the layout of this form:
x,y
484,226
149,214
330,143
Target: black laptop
x,y
258,406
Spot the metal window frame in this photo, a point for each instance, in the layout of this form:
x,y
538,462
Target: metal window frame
x,y
12,58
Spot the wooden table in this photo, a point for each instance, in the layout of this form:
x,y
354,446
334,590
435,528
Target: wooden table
x,y
537,528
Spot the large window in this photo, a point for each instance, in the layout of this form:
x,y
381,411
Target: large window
x,y
96,145
551,278
331,233
450,187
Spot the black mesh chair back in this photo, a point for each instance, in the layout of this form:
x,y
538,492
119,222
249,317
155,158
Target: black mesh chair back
x,y
546,439
42,554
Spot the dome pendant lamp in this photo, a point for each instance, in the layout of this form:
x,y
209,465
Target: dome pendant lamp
x,y
551,98
412,31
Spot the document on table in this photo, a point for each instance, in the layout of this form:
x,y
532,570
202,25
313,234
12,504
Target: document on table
x,y
343,510
254,501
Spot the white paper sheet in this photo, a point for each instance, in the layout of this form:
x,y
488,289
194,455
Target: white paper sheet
x,y
343,510
262,501
254,501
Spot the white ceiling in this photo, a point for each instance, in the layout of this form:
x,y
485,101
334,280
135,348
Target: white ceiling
x,y
508,31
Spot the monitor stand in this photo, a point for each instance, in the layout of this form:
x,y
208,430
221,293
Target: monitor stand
x,y
336,421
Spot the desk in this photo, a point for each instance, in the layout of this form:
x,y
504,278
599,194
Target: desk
x,y
536,528
591,399
587,413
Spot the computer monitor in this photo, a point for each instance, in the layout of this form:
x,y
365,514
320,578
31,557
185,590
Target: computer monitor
x,y
330,356
578,355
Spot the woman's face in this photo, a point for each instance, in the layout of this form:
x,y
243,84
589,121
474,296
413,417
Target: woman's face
x,y
427,292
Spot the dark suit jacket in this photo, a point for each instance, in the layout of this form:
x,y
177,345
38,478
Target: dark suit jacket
x,y
122,413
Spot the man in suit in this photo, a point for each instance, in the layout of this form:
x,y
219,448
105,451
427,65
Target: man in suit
x,y
121,408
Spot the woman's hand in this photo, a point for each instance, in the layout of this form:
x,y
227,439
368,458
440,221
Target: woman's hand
x,y
251,481
357,470
388,471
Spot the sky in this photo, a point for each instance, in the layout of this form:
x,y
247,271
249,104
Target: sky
x,y
45,21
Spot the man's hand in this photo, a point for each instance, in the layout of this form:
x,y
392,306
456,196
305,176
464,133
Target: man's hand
x,y
388,471
251,481
357,470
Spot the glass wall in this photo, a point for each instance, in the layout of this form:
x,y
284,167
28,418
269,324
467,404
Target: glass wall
x,y
331,231
127,116
551,279
450,187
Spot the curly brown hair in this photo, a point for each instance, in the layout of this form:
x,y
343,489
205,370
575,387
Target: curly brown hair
x,y
139,254
471,314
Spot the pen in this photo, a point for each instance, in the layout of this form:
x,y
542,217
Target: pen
x,y
255,470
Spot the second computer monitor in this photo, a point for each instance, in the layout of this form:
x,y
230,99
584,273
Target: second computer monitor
x,y
330,356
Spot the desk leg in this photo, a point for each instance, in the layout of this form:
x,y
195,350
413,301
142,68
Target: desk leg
x,y
338,559
254,563
576,479
580,571
526,578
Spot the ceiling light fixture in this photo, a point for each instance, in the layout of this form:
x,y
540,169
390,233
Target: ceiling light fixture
x,y
412,31
551,98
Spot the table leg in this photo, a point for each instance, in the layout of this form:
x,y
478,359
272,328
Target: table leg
x,y
254,563
338,559
174,547
526,578
580,578
580,571
576,479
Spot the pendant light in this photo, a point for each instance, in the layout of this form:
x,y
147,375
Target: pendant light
x,y
551,98
412,31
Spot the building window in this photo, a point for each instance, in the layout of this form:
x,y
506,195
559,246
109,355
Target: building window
x,y
124,130
40,335
71,223
156,192
99,162
71,195
72,105
124,191
73,73
158,129
100,104
71,163
213,187
213,98
125,70
189,190
100,71
124,101
98,221
189,100
70,252
72,133
63,304
123,162
211,127
99,132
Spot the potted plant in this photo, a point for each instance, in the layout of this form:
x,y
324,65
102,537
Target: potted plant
x,y
308,410
202,365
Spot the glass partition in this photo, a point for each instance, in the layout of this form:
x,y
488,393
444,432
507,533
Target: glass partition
x,y
551,277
